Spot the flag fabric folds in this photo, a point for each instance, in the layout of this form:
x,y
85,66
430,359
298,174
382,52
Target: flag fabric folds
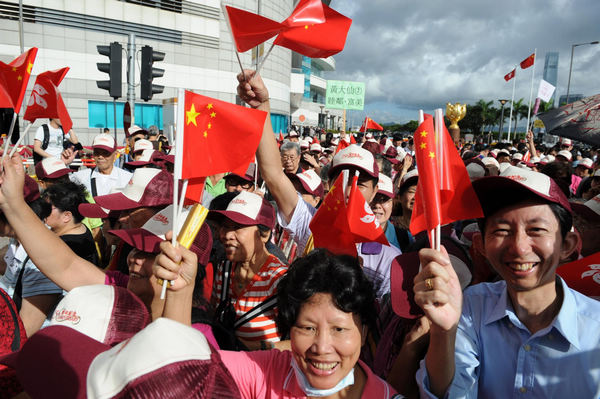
x,y
527,62
361,221
329,226
444,191
14,78
510,75
579,120
46,101
583,275
370,124
213,131
194,191
313,29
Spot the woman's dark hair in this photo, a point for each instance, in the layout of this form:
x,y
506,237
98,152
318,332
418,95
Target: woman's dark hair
x,y
323,272
66,196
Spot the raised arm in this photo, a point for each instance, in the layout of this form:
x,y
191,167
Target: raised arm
x,y
253,91
47,251
438,293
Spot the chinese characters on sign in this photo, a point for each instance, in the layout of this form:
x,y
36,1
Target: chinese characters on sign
x,y
345,95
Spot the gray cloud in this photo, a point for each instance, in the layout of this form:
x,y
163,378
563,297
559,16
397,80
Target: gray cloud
x,y
422,54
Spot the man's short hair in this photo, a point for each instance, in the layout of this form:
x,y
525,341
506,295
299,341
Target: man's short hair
x,y
290,145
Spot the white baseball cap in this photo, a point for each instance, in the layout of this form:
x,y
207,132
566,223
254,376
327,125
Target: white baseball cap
x,y
357,157
385,186
105,142
566,154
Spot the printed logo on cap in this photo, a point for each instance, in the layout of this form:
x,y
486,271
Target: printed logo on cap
x,y
247,204
536,181
63,315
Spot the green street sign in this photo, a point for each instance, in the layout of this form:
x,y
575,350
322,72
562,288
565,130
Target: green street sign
x,y
345,95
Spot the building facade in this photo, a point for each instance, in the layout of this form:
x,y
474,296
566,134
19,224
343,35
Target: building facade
x,y
551,70
193,34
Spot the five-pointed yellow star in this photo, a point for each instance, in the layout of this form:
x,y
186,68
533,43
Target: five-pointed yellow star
x,y
213,114
20,77
29,66
205,133
335,208
191,115
14,69
424,133
431,154
209,125
209,106
305,26
423,145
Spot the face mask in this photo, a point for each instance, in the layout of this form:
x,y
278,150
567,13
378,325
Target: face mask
x,y
314,392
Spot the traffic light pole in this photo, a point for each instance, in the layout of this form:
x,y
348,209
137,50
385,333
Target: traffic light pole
x,y
115,115
131,76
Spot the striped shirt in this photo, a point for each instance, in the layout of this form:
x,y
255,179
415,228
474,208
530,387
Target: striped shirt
x,y
263,285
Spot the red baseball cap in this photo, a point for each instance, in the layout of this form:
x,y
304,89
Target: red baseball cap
x,y
147,188
51,168
248,209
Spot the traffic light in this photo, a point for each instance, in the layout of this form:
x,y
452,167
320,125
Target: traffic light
x,y
148,73
112,68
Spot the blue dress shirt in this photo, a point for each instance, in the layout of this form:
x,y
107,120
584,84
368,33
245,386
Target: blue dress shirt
x,y
497,357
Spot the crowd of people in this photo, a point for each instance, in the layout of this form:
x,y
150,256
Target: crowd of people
x,y
251,310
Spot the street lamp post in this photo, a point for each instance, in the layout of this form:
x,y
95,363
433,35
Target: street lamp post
x,y
502,102
571,64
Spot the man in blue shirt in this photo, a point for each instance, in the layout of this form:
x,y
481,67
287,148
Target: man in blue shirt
x,y
528,335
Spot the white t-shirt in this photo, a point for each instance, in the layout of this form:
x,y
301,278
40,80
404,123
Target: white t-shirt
x,y
55,142
118,178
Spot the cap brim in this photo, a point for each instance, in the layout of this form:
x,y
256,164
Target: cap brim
x,y
117,202
233,216
403,271
584,211
54,362
94,211
57,174
104,147
137,164
140,239
493,190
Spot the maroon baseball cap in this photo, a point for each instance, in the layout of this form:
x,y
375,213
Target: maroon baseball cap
x,y
51,168
391,153
61,362
356,157
105,142
516,182
248,176
148,158
310,181
147,188
248,209
148,237
31,191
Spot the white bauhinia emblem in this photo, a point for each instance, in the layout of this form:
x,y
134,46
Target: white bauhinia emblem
x,y
369,217
594,272
37,96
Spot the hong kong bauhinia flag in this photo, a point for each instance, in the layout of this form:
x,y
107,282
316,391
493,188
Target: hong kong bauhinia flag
x,y
218,136
527,62
583,275
46,101
510,75
361,221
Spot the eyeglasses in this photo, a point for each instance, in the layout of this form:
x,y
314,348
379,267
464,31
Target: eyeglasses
x,y
289,157
238,182
103,153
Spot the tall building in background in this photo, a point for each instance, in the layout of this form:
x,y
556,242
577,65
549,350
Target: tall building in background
x,y
551,70
199,56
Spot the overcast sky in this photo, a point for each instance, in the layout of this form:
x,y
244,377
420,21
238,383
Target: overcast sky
x,y
423,54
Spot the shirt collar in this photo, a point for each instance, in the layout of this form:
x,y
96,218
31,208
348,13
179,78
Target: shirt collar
x,y
565,322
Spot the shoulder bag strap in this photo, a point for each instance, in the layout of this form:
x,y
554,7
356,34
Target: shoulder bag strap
x,y
18,293
264,306
93,184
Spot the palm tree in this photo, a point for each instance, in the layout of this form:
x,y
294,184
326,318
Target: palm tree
x,y
486,112
516,106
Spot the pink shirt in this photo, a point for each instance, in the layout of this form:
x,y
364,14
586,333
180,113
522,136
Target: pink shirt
x,y
269,375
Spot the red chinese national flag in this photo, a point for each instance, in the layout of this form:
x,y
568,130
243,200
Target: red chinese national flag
x,y
46,100
444,191
583,275
15,76
5,100
329,226
527,62
249,29
218,136
194,191
510,75
362,222
317,40
370,124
